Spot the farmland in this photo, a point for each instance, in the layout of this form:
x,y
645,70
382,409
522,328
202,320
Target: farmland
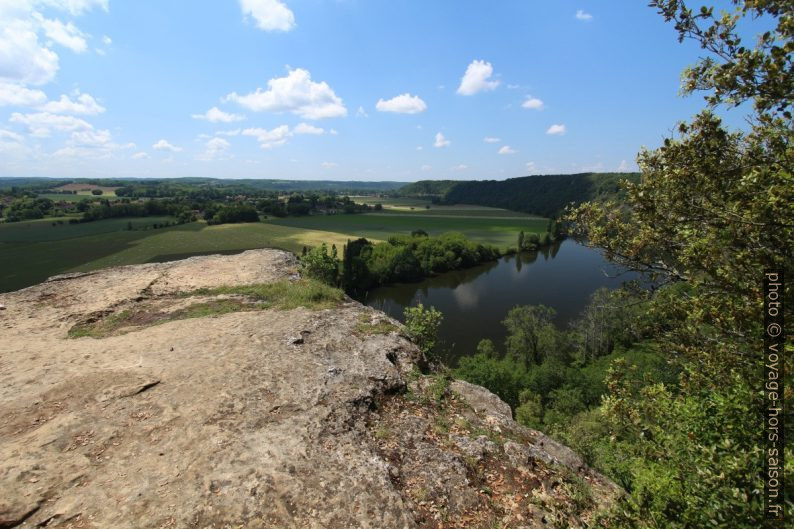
x,y
31,251
492,230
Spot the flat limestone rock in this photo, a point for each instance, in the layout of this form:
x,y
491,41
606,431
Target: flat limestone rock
x,y
254,418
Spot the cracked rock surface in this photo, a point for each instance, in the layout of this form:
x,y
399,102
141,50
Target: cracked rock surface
x,y
266,418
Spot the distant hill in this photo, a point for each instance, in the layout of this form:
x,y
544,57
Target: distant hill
x,y
545,195
269,185
428,188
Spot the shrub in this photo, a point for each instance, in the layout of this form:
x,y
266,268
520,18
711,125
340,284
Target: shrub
x,y
422,325
317,264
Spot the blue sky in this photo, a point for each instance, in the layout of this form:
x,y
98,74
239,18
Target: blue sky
x,y
334,89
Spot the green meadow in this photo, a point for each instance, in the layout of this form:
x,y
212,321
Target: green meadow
x,y
499,231
64,197
422,207
32,251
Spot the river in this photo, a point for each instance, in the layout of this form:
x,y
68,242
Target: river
x,y
475,301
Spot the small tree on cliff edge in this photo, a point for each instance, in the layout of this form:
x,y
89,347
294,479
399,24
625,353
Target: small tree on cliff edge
x,y
422,325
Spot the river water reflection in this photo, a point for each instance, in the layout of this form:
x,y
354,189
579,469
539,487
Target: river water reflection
x,y
475,301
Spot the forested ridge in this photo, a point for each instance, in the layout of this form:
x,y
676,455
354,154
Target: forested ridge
x,y
544,195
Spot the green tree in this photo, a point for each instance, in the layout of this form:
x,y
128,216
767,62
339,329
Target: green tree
x,y
319,265
422,325
712,211
530,411
487,348
521,240
504,377
531,333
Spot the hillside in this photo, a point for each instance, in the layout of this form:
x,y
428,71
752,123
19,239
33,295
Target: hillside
x,y
544,195
335,186
147,396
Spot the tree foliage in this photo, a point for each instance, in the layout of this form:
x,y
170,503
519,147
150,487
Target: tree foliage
x,y
409,258
712,211
545,195
422,325
318,264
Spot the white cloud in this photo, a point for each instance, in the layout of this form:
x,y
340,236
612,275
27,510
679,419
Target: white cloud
x,y
556,130
75,7
361,113
269,15
22,58
489,139
402,104
305,128
426,167
329,165
233,132
507,150
7,135
513,86
82,104
532,103
531,167
581,15
624,167
441,141
11,142
269,138
42,123
476,79
91,138
66,35
107,41
460,167
12,94
295,93
139,156
215,149
216,115
91,144
163,145
419,148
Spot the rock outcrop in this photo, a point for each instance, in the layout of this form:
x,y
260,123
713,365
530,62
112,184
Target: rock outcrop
x,y
203,408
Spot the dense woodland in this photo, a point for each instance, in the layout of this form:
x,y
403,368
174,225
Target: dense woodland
x,y
543,195
186,204
400,259
663,389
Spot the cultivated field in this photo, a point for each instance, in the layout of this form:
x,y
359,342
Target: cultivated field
x,y
500,231
31,251
87,188
64,197
418,206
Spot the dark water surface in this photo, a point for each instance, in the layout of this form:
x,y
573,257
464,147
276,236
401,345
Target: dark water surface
x,y
476,300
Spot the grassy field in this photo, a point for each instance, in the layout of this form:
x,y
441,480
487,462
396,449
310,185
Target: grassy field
x,y
30,252
422,207
500,231
34,250
58,197
41,230
87,188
